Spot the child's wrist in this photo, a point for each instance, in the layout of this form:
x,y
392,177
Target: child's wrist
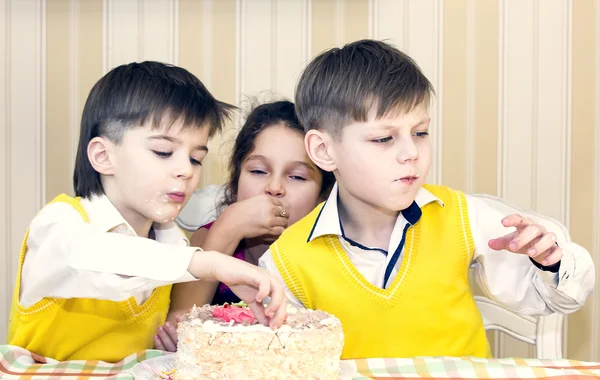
x,y
203,264
232,222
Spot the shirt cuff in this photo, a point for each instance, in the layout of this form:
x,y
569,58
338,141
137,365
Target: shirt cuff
x,y
554,268
187,277
567,269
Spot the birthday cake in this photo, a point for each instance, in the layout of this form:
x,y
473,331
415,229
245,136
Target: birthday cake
x,y
226,342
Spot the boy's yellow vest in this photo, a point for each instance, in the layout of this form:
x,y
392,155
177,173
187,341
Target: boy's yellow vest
x,y
81,328
428,309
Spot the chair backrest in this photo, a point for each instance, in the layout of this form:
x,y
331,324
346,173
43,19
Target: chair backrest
x,y
545,332
204,206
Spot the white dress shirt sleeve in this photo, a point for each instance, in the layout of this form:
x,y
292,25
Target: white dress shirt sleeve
x,y
512,279
266,262
69,258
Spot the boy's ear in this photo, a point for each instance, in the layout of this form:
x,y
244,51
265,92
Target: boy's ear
x,y
100,155
320,149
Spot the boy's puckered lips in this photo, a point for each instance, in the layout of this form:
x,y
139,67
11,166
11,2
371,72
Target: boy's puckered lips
x,y
176,196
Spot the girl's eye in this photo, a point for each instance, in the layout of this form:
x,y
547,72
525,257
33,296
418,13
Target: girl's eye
x,y
422,134
297,178
162,154
382,140
257,171
195,162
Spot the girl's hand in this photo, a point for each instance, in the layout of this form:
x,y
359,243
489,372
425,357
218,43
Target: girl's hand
x,y
166,337
259,216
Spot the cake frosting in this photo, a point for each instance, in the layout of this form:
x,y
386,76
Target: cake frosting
x,y
226,342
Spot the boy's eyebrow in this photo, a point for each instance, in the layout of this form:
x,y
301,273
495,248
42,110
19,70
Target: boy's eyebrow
x,y
389,126
176,141
424,121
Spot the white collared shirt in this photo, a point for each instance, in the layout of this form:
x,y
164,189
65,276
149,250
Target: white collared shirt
x,y
504,276
103,259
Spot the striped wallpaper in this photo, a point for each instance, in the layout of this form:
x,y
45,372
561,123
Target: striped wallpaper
x,y
517,111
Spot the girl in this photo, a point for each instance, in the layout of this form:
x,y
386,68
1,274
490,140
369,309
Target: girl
x,y
272,185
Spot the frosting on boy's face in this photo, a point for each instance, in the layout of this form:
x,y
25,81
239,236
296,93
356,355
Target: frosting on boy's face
x,y
384,162
155,171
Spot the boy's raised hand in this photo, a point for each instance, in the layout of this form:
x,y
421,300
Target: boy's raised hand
x,y
529,239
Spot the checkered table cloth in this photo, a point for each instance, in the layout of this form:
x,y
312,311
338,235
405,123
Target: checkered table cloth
x,y
17,363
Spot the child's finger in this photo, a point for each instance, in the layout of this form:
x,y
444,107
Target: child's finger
x,y
515,220
168,344
525,236
279,316
543,246
264,288
258,310
553,258
280,212
280,221
172,331
276,231
277,298
158,343
501,243
276,201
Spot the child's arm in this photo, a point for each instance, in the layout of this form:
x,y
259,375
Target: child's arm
x,y
266,261
507,272
253,217
166,336
249,282
187,294
69,258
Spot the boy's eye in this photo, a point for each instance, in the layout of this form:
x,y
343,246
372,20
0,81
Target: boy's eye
x,y
297,178
257,171
162,154
195,162
422,134
382,140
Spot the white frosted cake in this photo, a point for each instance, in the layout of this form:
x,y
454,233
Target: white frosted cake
x,y
226,342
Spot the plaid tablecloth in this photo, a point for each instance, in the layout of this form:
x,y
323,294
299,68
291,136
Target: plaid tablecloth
x,y
16,363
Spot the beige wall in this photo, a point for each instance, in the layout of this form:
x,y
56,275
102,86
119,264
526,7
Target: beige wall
x,y
517,112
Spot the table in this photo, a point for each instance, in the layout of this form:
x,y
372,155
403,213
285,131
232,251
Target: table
x,y
17,363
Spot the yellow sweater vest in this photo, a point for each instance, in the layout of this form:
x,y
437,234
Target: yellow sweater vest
x,y
81,328
428,309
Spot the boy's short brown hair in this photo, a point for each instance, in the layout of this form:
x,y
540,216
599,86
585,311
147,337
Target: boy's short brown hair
x,y
341,86
134,94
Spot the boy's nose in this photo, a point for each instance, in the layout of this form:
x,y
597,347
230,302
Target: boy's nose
x,y
184,170
275,188
408,152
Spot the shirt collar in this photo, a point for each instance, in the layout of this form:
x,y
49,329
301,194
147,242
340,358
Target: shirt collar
x,y
328,221
103,214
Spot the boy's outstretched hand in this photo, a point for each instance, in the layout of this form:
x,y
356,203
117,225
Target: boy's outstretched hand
x,y
529,239
249,282
253,284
